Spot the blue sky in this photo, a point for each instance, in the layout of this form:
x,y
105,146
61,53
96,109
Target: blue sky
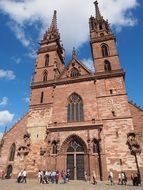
x,y
22,27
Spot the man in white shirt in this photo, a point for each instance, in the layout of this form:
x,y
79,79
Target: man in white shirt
x,y
24,176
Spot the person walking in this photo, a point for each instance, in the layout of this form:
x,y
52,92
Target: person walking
x,y
53,175
19,177
119,179
94,178
85,175
124,178
39,176
133,178
110,177
24,174
67,175
2,175
57,177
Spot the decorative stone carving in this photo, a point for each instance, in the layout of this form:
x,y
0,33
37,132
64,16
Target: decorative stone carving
x,y
133,144
24,148
112,105
42,151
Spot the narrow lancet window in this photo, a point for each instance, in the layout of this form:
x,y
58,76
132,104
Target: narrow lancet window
x,y
46,60
12,152
42,97
105,52
45,75
107,66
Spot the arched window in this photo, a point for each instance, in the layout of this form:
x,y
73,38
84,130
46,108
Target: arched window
x,y
54,147
107,66
42,97
45,76
12,152
95,147
75,108
100,27
74,73
104,49
46,60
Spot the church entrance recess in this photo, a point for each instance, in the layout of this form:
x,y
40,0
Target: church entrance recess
x,y
76,159
9,172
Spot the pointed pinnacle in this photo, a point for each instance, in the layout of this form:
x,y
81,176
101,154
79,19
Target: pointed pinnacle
x,y
53,26
98,14
74,53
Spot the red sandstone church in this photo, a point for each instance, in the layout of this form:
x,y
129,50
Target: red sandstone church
x,y
78,119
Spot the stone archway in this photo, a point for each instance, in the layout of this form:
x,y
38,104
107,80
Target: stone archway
x,y
76,151
9,170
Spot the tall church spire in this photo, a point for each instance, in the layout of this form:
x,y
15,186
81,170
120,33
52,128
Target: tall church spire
x,y
98,14
98,25
50,54
53,26
53,33
103,43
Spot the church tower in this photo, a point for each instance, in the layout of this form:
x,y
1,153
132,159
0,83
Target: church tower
x,y
103,43
111,96
49,63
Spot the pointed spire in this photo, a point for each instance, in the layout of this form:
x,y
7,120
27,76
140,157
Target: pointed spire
x,y
74,53
98,14
53,26
53,32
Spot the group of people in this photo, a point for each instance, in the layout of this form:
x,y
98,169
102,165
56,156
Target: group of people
x,y
122,178
22,175
45,176
136,179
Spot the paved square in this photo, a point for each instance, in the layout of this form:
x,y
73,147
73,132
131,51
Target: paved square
x,y
32,184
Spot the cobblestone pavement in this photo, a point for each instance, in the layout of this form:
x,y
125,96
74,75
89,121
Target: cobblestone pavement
x,y
72,185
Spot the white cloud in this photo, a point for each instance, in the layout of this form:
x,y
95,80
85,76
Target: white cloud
x,y
4,101
16,60
72,17
20,33
5,117
31,54
88,63
7,74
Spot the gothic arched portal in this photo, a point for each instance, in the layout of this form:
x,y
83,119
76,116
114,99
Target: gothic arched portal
x,y
9,171
75,149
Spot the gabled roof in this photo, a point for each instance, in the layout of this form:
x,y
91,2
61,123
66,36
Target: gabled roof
x,y
75,63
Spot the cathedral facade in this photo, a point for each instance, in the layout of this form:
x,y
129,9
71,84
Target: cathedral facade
x,y
78,119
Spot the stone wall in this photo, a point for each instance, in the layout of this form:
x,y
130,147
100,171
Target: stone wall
x,y
14,135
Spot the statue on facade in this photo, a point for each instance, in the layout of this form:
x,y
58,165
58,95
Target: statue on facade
x,y
24,148
133,144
